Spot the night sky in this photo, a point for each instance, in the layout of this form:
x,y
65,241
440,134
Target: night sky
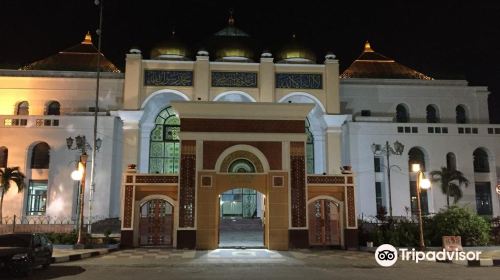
x,y
442,39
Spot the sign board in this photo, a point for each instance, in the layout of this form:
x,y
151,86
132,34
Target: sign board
x,y
452,243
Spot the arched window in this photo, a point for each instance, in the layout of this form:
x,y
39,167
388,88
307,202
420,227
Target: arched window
x,y
4,155
461,115
164,143
481,163
451,161
309,149
23,108
54,108
432,114
40,156
402,114
415,155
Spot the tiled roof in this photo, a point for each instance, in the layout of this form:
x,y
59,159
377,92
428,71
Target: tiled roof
x,y
81,57
371,64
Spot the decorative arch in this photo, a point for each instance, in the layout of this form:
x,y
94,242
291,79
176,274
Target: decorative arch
x,y
417,155
313,99
40,156
158,196
225,96
237,155
451,161
164,143
167,93
231,154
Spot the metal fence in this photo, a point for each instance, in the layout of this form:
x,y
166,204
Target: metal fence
x,y
46,224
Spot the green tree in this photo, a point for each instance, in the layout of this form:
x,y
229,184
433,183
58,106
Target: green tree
x,y
7,176
451,182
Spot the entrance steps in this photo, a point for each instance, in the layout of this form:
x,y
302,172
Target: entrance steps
x,y
240,224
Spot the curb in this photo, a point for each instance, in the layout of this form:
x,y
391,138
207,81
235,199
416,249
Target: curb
x,y
80,256
484,262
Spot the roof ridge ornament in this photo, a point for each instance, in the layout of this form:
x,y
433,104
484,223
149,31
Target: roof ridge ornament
x,y
88,39
368,47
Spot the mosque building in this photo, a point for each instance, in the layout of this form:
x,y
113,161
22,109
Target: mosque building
x,y
282,144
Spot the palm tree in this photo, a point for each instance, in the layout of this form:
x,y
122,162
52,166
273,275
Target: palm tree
x,y
7,176
451,182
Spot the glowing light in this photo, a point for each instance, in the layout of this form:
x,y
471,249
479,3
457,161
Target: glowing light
x,y
425,184
76,175
415,167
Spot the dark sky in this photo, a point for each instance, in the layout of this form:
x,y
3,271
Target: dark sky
x,y
443,39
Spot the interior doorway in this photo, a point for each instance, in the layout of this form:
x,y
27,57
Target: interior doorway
x,y
241,218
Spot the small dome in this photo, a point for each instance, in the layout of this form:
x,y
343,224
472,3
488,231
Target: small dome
x,y
232,44
171,49
296,53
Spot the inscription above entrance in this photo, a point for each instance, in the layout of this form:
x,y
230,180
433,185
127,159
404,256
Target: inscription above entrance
x,y
299,80
234,79
168,78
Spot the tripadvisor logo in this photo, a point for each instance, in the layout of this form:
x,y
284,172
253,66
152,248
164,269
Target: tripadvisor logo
x,y
386,255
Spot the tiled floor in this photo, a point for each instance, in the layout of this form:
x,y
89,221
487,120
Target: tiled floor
x,y
241,238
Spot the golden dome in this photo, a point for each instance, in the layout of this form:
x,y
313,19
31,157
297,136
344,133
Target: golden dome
x,y
171,49
295,52
232,44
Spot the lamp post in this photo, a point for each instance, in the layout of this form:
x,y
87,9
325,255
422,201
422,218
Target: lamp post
x,y
80,144
422,183
387,150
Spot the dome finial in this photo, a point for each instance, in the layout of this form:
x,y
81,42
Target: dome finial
x,y
231,18
88,39
368,48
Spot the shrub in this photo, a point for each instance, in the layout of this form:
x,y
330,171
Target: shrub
x,y
473,228
62,238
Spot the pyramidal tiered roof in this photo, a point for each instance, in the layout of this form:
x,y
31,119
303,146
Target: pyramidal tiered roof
x,y
81,57
371,64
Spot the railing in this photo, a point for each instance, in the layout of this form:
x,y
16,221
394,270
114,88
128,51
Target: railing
x,y
13,224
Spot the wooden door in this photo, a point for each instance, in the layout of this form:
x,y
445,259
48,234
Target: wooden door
x,y
324,223
156,223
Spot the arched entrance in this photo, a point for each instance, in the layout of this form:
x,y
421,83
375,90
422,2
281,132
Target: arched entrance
x,y
241,212
325,218
156,223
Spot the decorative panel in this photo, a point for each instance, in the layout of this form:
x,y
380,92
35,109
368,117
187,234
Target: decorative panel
x,y
206,181
128,206
333,180
299,80
298,184
148,179
130,179
168,78
278,181
351,211
234,79
187,184
224,168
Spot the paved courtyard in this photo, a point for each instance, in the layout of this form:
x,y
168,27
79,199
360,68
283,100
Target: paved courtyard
x,y
252,264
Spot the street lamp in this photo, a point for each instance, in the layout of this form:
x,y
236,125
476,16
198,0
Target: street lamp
x,y
378,149
422,183
80,144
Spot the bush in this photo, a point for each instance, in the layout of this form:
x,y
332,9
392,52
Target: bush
x,y
473,228
62,238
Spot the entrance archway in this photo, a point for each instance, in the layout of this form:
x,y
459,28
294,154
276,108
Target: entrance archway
x,y
156,223
241,211
325,222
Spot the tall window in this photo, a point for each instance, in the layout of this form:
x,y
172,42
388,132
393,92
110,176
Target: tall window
x,y
402,115
309,149
481,163
164,143
23,108
4,155
54,108
379,197
483,198
415,155
40,156
377,164
451,161
432,114
461,115
37,197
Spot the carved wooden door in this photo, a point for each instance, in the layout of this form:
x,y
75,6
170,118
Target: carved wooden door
x,y
156,223
324,223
